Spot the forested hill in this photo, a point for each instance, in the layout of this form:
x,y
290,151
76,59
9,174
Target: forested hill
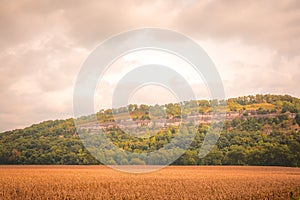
x,y
259,130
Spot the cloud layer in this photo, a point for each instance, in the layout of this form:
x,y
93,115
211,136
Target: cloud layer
x,y
255,45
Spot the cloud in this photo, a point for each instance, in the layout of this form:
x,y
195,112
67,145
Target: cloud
x,y
255,45
252,69
37,80
274,24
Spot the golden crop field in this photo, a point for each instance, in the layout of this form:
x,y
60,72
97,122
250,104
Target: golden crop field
x,y
100,182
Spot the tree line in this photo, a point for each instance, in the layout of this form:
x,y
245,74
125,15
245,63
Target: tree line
x,y
243,141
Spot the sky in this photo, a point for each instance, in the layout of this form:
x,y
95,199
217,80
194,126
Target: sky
x,y
255,46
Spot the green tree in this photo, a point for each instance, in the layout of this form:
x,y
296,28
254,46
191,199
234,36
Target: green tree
x,y
297,118
235,156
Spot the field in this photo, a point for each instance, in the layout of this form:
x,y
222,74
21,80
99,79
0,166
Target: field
x,y
99,182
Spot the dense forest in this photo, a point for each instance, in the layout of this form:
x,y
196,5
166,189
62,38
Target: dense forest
x,y
270,136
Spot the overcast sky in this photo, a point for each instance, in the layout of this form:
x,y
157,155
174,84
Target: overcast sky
x,y
255,45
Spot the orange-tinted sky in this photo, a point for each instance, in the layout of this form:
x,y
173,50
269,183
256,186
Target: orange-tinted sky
x,y
254,44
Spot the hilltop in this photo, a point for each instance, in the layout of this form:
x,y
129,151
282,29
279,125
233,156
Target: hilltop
x,y
258,130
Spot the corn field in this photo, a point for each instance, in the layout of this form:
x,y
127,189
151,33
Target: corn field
x,y
100,182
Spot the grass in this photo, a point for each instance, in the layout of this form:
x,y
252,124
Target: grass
x,y
99,182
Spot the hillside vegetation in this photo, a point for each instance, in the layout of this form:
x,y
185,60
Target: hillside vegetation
x,y
264,131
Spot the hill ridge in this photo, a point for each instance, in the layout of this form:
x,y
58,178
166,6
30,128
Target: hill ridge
x,y
266,132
